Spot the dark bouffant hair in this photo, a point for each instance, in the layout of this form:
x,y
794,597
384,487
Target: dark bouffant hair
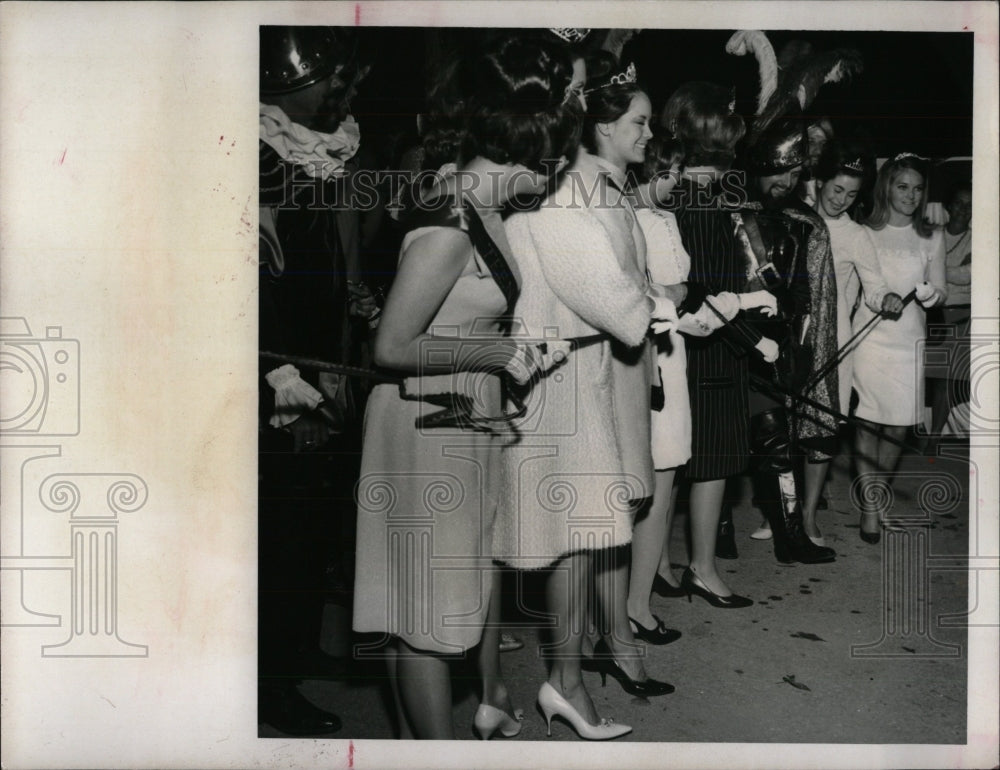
x,y
697,115
605,103
508,104
837,154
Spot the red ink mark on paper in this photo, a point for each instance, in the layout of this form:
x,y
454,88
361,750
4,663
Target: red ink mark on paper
x,y
63,157
350,754
221,138
965,28
357,14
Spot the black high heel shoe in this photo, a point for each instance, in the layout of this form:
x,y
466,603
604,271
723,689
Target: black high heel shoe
x,y
658,635
731,602
604,662
870,537
664,589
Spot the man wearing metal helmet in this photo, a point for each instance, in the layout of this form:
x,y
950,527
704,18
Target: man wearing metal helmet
x,y
787,251
308,249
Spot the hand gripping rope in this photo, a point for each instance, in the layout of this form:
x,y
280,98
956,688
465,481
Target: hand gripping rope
x,y
458,409
801,398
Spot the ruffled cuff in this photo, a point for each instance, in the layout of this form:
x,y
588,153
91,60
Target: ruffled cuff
x,y
292,395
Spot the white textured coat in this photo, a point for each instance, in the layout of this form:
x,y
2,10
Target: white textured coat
x,y
568,474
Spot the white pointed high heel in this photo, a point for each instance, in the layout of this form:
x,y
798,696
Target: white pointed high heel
x,y
489,719
553,704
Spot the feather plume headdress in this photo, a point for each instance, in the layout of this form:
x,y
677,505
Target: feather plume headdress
x,y
790,81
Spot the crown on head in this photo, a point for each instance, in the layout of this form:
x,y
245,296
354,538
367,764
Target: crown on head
x,y
569,34
856,165
621,79
904,155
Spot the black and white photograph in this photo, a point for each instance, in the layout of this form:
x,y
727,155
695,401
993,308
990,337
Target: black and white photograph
x,y
613,393
603,353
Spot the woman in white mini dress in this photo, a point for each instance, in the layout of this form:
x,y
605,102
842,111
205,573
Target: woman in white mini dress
x,y
888,362
839,175
427,495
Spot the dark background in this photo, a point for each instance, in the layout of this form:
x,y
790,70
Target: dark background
x,y
914,95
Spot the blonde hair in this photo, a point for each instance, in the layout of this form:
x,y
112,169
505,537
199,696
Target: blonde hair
x,y
887,176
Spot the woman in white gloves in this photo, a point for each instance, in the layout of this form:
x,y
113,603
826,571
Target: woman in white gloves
x,y
701,116
427,493
888,366
668,264
839,174
580,459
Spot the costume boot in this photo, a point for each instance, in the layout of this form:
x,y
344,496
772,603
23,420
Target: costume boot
x,y
792,544
725,538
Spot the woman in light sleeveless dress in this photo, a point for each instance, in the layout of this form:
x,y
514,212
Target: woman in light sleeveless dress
x,y
427,492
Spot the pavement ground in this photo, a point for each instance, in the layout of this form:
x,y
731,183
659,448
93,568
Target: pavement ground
x,y
869,649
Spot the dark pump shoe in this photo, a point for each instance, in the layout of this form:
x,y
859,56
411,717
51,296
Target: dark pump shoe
x,y
664,589
694,587
604,662
871,537
288,711
658,635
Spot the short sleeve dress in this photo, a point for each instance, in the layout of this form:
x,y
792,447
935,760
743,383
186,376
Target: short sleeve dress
x,y
427,497
668,263
888,361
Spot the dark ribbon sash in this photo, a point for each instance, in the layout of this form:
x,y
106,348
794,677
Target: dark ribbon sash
x,y
446,212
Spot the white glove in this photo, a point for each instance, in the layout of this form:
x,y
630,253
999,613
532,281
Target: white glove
x,y
663,315
704,320
534,358
927,295
292,395
764,300
768,349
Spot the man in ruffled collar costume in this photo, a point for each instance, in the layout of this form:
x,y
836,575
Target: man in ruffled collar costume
x,y
787,251
308,249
